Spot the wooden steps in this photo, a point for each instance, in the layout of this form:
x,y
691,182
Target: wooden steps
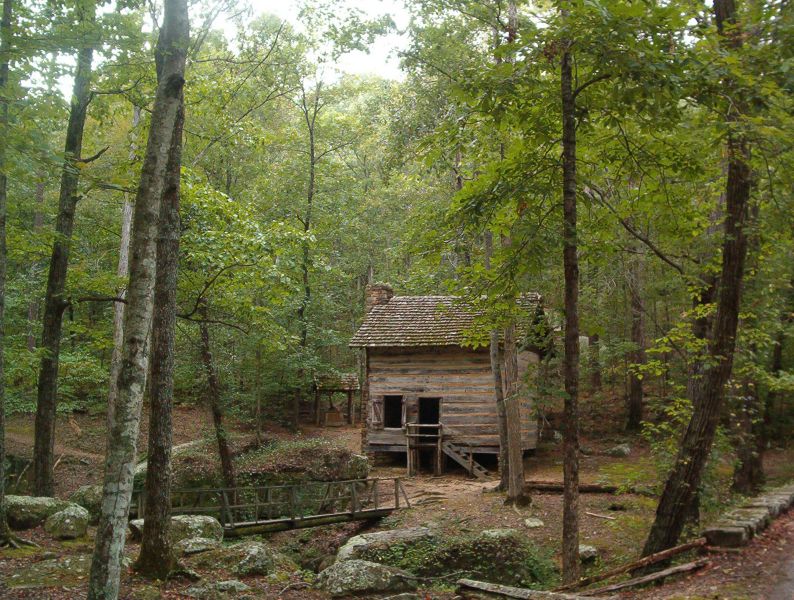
x,y
465,459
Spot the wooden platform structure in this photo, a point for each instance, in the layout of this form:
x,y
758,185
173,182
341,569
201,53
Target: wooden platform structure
x,y
264,509
346,383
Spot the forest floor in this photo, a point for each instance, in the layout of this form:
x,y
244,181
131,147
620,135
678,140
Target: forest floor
x,y
616,524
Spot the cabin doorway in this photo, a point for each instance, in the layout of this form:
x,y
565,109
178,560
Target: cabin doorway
x,y
429,411
429,414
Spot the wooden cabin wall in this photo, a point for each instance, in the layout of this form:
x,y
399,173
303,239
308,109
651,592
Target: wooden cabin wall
x,y
460,377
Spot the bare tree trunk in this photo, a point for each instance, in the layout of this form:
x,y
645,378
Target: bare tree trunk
x,y
695,447
748,474
54,301
5,48
33,303
570,365
635,394
156,558
214,401
122,271
123,436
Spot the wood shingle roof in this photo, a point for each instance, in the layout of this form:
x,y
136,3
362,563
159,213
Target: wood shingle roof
x,y
406,321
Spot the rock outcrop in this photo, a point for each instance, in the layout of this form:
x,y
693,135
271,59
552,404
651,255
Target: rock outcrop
x,y
360,578
68,524
25,512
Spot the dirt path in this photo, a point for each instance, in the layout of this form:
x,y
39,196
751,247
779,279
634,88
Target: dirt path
x,y
27,441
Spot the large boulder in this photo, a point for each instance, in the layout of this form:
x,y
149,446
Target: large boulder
x,y
68,524
90,498
195,545
504,556
361,578
220,589
358,545
243,559
25,512
619,451
184,527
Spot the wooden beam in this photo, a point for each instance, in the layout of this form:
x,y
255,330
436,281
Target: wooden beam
x,y
685,568
637,564
467,586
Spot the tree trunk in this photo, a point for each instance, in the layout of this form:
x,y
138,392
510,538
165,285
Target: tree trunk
x,y
516,492
122,271
54,301
685,477
156,558
748,474
594,356
214,401
33,303
570,364
5,48
499,396
123,436
635,394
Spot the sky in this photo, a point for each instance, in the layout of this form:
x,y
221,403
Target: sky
x,y
382,58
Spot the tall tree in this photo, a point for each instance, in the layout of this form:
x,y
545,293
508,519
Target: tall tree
x,y
684,479
55,302
122,271
634,397
570,362
156,558
5,58
171,52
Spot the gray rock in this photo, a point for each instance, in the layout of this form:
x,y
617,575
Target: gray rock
x,y
556,436
256,559
221,589
587,553
727,536
90,498
195,545
533,523
359,577
69,523
619,451
25,512
357,545
184,527
501,533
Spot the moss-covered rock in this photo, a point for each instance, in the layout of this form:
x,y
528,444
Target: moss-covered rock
x,y
25,512
64,571
362,578
244,558
90,498
68,524
499,556
184,527
359,545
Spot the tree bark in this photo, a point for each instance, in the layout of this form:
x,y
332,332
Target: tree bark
x,y
54,301
122,272
748,474
685,477
594,355
570,365
634,398
33,303
516,490
214,401
499,395
123,436
5,48
156,558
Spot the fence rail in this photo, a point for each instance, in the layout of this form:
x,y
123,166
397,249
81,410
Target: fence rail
x,y
259,509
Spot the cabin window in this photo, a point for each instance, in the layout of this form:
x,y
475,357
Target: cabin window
x,y
392,412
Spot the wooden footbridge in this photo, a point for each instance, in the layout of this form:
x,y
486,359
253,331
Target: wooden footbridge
x,y
263,509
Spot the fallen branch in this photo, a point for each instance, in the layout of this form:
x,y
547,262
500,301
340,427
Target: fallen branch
x,y
514,592
57,462
685,568
592,514
637,564
584,488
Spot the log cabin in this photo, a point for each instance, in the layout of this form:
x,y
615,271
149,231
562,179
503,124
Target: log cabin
x,y
427,391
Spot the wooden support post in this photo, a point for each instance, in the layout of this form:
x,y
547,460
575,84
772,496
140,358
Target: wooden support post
x,y
396,493
351,418
376,492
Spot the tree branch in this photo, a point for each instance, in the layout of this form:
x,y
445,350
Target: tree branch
x,y
587,84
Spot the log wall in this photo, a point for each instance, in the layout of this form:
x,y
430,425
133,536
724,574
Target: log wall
x,y
460,377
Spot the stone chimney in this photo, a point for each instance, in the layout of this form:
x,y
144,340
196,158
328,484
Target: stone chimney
x,y
377,294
